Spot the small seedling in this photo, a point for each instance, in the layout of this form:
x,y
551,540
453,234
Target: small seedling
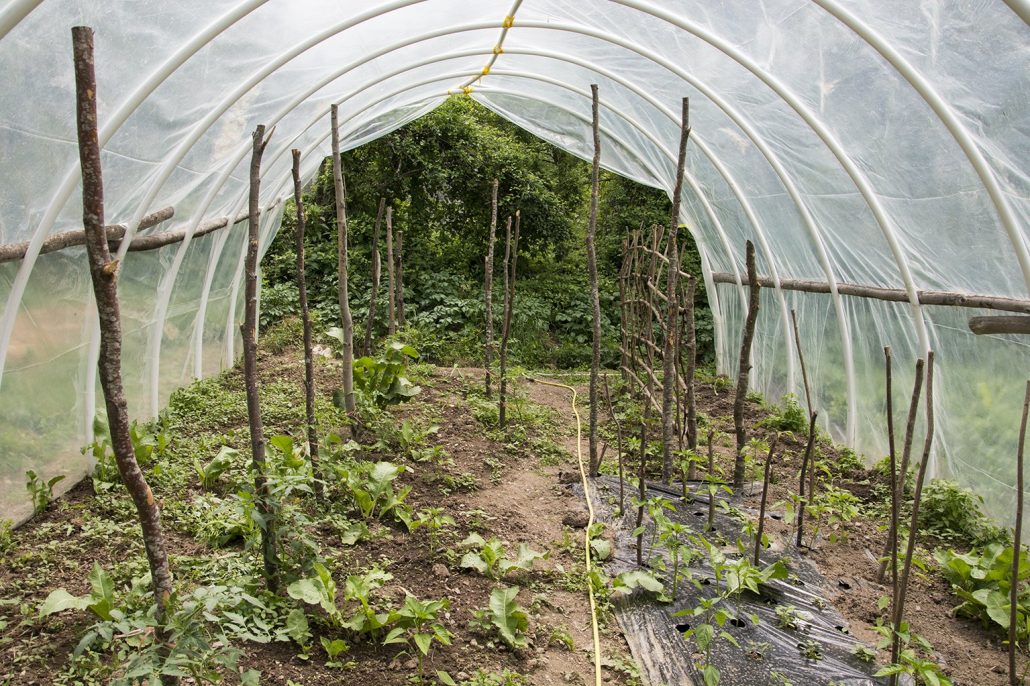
x,y
41,492
811,650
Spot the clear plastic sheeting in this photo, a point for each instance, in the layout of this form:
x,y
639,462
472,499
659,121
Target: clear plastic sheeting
x,y
851,140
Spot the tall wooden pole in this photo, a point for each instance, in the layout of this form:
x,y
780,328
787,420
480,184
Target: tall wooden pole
x,y
488,293
744,367
810,444
765,497
595,297
895,504
669,353
913,529
391,281
309,358
262,492
1017,541
510,258
400,278
103,272
342,260
691,330
376,269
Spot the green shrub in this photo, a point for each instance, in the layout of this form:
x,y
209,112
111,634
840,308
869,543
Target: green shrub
x,y
950,511
791,417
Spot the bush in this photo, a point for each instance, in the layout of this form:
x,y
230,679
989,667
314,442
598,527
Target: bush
x,y
950,511
792,417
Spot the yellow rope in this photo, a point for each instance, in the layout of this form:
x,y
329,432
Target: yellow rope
x,y
586,535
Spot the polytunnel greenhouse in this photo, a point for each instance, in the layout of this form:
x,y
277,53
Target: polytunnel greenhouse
x,y
532,342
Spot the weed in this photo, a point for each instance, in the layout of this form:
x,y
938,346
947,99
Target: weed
x,y
221,463
954,513
41,492
488,557
791,417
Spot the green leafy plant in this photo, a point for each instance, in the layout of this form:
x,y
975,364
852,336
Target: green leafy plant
x,y
382,380
982,579
950,511
418,624
913,658
790,417
433,520
221,463
41,492
318,590
100,600
506,616
371,488
789,617
333,649
488,557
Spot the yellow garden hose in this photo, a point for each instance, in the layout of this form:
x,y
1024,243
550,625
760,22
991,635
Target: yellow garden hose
x,y
586,534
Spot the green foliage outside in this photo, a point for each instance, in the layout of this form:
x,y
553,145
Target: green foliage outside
x,y
437,173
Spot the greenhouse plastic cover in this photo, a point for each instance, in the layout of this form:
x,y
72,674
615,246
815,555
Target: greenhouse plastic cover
x,y
854,141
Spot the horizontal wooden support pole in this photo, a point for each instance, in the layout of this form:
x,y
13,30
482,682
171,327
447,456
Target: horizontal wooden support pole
x,y
67,239
159,240
1000,324
944,298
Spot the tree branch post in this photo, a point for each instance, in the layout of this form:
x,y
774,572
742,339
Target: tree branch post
x,y
400,279
595,297
104,275
309,358
488,293
744,368
511,245
669,353
391,280
262,492
342,260
376,269
1017,541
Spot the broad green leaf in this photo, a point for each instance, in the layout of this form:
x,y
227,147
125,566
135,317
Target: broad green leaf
x,y
423,641
509,618
306,590
472,560
60,600
297,626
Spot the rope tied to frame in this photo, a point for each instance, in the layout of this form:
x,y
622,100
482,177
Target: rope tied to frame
x,y
509,21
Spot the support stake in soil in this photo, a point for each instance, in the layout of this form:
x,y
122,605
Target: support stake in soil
x,y
744,368
595,298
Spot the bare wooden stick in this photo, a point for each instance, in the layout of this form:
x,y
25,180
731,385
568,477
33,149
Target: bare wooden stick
x,y
342,264
400,278
672,304
262,492
810,445
376,269
711,480
806,464
391,281
104,275
618,438
765,496
982,326
899,610
115,233
503,386
1017,541
906,451
744,368
595,297
642,487
309,358
488,293
688,315
944,298
893,557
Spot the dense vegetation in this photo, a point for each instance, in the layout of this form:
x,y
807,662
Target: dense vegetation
x,y
436,173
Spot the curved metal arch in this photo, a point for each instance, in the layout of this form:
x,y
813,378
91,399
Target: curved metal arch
x,y
720,169
14,13
806,216
111,126
948,117
857,176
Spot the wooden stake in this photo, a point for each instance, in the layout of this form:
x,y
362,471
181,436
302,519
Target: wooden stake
x,y
711,480
1017,541
342,259
642,486
744,368
765,496
899,610
806,464
103,272
309,358
503,390
669,353
595,297
688,315
893,558
400,279
899,485
810,445
618,438
391,281
488,294
262,492
376,269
